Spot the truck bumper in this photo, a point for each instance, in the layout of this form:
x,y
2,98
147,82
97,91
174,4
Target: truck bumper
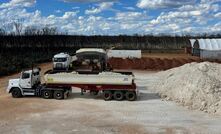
x,y
8,89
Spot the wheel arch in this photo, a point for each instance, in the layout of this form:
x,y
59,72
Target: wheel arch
x,y
15,88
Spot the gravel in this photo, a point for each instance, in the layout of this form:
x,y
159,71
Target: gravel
x,y
195,85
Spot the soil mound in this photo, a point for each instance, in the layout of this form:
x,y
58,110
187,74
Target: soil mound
x,y
147,63
195,85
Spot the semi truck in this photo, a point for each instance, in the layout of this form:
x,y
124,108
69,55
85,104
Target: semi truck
x,y
62,61
111,85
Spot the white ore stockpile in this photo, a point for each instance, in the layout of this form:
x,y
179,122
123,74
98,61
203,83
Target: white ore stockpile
x,y
195,85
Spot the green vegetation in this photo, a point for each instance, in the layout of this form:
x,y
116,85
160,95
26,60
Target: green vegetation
x,y
21,51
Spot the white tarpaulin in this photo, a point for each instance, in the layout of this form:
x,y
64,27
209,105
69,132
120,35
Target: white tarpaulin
x,y
124,53
210,44
192,41
208,48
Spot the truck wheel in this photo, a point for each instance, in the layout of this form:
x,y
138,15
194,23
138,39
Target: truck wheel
x,y
107,95
16,93
131,96
47,94
94,93
58,94
118,95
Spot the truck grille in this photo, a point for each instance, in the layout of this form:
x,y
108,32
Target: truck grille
x,y
58,65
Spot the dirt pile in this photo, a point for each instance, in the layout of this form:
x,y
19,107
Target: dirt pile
x,y
195,85
147,63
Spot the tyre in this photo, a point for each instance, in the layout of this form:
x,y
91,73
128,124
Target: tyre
x,y
47,94
58,94
118,95
107,95
16,93
131,96
94,93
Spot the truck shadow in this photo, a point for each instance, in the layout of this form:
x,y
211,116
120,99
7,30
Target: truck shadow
x,y
148,96
84,96
144,95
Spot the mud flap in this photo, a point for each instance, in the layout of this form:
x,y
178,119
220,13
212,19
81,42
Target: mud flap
x,y
66,94
137,93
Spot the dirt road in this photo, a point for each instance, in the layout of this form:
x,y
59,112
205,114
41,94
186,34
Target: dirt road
x,y
91,115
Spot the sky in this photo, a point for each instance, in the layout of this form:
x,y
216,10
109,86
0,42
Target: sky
x,y
114,17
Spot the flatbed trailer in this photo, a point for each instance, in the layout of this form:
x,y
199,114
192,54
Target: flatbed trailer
x,y
24,87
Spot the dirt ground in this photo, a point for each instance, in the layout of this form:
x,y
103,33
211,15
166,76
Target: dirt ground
x,y
89,114
168,55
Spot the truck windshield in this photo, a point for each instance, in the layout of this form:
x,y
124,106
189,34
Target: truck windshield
x,y
60,59
25,75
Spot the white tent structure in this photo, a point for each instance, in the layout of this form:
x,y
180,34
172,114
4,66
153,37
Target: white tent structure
x,y
206,48
124,53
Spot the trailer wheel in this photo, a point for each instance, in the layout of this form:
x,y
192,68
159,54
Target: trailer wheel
x,y
131,96
94,93
107,95
47,94
16,93
118,95
58,94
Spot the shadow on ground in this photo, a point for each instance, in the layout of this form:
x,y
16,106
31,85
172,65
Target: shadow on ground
x,y
143,96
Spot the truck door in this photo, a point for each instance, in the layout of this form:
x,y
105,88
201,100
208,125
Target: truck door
x,y
25,80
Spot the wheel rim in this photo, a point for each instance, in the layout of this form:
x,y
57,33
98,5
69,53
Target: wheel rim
x,y
130,95
118,95
15,92
58,95
46,94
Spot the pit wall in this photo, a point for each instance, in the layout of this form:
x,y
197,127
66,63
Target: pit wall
x,y
149,63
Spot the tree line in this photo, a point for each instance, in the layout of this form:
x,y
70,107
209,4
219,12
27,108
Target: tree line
x,y
27,46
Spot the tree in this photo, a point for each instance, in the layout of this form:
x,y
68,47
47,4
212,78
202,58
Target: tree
x,y
49,30
30,30
2,31
18,26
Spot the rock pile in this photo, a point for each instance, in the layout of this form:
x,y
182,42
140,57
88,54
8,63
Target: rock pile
x,y
195,85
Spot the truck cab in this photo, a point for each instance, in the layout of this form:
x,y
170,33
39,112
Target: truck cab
x,y
62,61
25,84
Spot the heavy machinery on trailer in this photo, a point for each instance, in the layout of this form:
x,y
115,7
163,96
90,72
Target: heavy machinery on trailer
x,y
59,85
93,58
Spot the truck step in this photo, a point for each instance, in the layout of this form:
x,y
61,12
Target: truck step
x,y
29,92
25,93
